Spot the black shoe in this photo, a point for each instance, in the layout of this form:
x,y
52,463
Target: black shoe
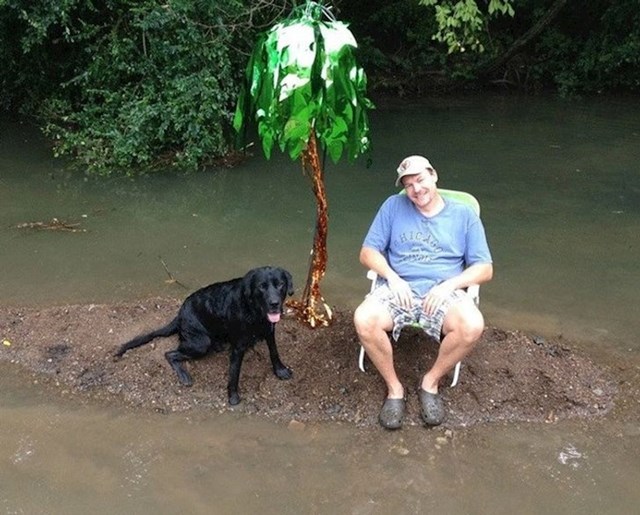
x,y
392,413
432,408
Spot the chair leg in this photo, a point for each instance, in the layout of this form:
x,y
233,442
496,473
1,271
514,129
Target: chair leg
x,y
456,370
456,374
361,359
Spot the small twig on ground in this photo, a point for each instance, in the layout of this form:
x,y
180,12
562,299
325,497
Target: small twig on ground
x,y
171,280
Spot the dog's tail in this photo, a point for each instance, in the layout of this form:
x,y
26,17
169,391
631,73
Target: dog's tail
x,y
167,330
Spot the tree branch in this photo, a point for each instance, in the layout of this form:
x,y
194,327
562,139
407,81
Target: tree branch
x,y
522,41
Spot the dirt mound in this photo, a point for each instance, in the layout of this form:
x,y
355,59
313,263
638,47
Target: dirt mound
x,y
509,377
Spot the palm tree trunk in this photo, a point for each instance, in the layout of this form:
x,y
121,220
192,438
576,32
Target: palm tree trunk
x,y
312,308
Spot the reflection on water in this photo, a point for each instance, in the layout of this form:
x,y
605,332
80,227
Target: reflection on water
x,y
560,193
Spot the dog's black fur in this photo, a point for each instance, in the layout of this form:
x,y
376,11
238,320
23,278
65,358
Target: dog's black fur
x,y
240,312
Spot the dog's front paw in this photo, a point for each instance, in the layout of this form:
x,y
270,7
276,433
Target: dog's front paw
x,y
283,372
234,399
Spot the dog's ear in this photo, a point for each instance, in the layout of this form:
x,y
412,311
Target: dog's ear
x,y
288,281
248,284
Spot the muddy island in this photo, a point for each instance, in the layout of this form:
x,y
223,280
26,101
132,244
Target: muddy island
x,y
510,376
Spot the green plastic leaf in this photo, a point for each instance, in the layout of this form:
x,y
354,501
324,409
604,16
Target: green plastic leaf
x,y
303,76
336,35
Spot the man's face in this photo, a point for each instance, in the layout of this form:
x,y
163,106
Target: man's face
x,y
421,188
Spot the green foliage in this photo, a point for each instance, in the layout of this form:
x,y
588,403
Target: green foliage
x,y
395,43
303,77
461,23
149,84
35,50
588,47
603,49
125,85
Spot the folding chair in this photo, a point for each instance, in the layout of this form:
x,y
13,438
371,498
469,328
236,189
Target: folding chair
x,y
473,290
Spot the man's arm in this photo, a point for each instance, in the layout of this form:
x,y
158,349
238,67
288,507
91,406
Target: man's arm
x,y
375,260
475,274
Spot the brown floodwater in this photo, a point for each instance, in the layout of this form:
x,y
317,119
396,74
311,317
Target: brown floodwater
x,y
559,186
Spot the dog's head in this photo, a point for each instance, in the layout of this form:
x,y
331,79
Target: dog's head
x,y
266,288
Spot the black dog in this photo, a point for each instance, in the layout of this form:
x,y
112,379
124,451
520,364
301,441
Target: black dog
x,y
240,312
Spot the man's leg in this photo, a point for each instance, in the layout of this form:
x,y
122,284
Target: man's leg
x,y
372,321
462,328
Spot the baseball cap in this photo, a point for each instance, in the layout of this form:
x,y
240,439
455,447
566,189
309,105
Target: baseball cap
x,y
412,165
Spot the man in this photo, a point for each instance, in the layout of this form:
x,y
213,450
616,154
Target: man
x,y
427,251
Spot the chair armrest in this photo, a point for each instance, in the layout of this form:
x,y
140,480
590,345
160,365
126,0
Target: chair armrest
x,y
474,292
373,277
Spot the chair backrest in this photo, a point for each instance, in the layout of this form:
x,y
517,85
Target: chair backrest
x,y
461,196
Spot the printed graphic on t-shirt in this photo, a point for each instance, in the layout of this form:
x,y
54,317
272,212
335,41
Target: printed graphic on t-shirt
x,y
425,246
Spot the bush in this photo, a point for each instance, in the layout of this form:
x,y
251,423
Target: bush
x,y
150,84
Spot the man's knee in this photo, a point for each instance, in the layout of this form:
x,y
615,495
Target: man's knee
x,y
364,319
473,327
467,321
370,317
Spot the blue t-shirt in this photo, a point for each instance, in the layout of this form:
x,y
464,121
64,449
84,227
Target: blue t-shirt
x,y
425,251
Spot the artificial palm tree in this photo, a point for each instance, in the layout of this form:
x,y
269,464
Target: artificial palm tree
x,y
306,94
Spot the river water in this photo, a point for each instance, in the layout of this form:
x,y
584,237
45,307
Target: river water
x,y
559,186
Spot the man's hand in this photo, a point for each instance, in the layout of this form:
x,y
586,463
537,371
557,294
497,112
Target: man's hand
x,y
435,297
401,289
374,260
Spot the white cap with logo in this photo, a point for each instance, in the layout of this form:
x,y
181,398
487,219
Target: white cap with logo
x,y
412,165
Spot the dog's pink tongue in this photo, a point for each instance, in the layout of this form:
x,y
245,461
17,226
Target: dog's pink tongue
x,y
273,317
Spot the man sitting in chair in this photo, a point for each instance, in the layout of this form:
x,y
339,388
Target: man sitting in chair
x,y
426,251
